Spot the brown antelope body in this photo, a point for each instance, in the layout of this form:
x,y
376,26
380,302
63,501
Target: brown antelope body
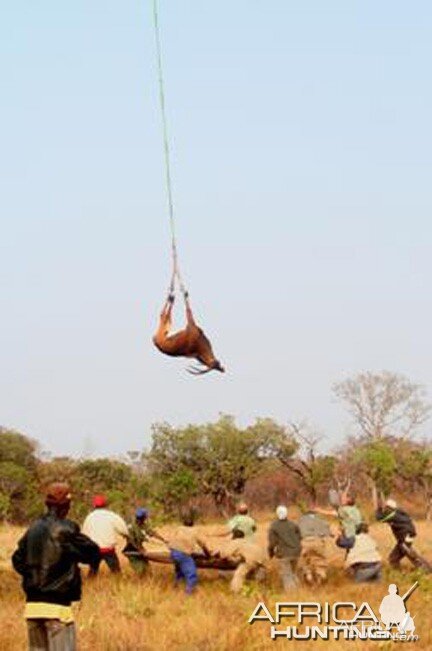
x,y
189,342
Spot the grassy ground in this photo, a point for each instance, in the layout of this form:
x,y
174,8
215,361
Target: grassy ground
x,y
130,614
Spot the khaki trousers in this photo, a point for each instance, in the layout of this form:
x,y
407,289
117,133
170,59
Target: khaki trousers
x,y
287,572
51,635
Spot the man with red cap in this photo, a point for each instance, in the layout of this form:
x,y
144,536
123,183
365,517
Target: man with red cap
x,y
104,527
47,558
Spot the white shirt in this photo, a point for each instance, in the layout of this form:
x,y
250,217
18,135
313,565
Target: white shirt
x,y
103,527
364,551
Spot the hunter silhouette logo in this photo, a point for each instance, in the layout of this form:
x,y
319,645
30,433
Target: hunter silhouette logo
x,y
393,610
340,620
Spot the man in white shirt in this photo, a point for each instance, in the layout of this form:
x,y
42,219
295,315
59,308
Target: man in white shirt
x,y
104,527
363,560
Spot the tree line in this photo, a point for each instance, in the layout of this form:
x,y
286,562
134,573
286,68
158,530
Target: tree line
x,y
211,466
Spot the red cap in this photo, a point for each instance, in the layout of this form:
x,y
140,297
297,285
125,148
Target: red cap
x,y
99,501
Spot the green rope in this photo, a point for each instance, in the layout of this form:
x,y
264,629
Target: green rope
x,y
167,157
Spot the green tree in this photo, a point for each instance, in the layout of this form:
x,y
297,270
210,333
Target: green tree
x,y
216,459
384,406
296,448
62,469
4,506
108,476
19,497
18,449
17,485
414,465
176,491
378,461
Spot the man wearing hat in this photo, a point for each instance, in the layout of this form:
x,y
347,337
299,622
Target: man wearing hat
x,y
47,558
404,531
104,527
284,543
241,522
139,533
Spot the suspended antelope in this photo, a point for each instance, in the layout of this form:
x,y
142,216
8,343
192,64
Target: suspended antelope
x,y
189,342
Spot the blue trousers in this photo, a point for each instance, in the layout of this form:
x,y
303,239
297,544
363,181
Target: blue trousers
x,y
185,569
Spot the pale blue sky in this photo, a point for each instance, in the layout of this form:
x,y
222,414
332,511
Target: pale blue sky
x,y
301,144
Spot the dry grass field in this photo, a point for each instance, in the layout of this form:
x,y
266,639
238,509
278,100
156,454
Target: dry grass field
x,y
127,613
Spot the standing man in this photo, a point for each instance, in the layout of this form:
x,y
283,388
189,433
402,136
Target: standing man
x,y
104,527
348,513
182,543
314,532
47,558
139,533
243,522
284,542
404,531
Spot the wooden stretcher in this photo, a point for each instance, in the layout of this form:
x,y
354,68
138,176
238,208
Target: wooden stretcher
x,y
202,561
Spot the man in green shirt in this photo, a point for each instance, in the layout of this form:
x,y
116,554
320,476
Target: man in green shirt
x,y
348,514
139,533
243,522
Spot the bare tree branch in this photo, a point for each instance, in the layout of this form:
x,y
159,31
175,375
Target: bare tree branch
x,y
383,404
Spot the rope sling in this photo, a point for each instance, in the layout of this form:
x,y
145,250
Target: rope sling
x,y
190,342
176,275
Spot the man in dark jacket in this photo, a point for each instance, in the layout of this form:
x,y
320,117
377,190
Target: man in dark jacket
x,y
284,543
47,558
404,531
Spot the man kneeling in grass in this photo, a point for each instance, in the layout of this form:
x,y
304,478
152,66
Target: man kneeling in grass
x,y
363,560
